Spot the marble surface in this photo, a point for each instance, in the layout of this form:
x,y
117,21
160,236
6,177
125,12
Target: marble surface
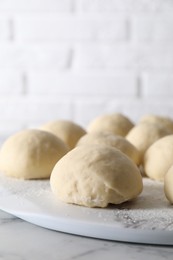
x,y
20,240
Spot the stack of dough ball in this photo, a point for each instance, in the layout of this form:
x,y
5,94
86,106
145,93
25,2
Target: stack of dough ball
x,y
159,158
68,131
166,122
118,142
95,176
143,135
116,124
31,154
168,184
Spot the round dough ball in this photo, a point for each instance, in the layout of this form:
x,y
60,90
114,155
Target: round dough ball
x,y
143,135
116,124
31,154
164,121
95,176
118,142
68,131
159,158
168,185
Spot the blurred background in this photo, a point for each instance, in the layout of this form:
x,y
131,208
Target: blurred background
x,y
77,59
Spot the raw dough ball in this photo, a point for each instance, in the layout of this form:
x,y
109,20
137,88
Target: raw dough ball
x,y
68,131
118,142
159,158
95,176
143,135
164,121
168,185
31,154
116,124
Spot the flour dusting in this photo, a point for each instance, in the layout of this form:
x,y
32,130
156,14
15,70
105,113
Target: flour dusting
x,y
150,211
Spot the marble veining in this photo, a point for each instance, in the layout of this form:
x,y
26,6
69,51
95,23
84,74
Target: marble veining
x,y
21,240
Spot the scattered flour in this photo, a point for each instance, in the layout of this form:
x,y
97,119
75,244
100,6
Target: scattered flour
x,y
149,211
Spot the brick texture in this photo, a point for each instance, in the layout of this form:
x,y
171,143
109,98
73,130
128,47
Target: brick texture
x,y
124,5
153,29
10,6
4,29
50,28
124,56
77,59
156,85
68,84
44,57
10,83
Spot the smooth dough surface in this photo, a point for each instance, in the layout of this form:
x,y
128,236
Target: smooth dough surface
x,y
31,154
166,122
116,141
117,124
95,176
68,131
168,184
143,135
159,158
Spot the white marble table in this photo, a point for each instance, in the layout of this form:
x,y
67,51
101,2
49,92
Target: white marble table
x,y
20,240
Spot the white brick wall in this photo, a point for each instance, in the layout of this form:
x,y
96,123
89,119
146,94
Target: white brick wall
x,y
72,28
34,56
4,28
11,6
76,59
158,86
81,85
157,28
124,57
10,83
124,5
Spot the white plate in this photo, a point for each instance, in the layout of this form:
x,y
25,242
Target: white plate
x,y
148,219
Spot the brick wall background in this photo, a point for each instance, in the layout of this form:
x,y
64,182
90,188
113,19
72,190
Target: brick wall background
x,y
76,59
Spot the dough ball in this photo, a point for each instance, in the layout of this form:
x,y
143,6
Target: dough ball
x,y
159,158
143,135
116,141
31,154
168,185
164,121
95,176
68,131
116,124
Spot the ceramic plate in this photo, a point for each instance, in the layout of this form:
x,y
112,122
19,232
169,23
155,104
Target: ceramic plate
x,y
147,219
